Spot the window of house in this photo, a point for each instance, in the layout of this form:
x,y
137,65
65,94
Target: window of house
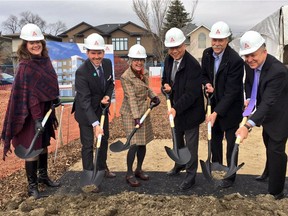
x,y
201,40
120,43
138,40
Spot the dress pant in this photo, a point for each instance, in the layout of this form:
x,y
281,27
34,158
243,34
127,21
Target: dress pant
x,y
191,138
88,139
277,162
217,143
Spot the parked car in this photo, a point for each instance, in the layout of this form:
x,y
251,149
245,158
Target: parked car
x,y
6,79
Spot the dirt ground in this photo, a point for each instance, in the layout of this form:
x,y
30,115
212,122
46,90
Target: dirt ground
x,y
158,196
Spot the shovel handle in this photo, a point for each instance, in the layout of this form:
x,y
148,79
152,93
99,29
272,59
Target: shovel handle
x,y
99,138
243,122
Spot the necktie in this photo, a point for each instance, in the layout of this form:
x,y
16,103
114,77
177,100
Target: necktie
x,y
101,76
216,66
252,101
174,70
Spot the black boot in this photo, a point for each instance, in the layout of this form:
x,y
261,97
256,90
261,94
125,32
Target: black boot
x,y
31,172
42,172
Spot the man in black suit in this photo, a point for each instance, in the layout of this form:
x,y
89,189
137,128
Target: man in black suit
x,y
222,75
271,106
186,96
94,86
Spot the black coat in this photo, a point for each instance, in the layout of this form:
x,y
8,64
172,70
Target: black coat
x,y
89,91
228,98
272,97
187,96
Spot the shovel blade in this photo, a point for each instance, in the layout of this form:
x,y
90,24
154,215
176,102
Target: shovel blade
x,y
24,153
117,146
86,178
215,166
182,158
206,170
98,177
233,170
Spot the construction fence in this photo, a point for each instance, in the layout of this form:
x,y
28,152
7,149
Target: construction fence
x,y
69,130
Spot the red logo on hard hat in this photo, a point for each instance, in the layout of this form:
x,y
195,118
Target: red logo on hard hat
x,y
107,48
138,52
34,34
96,43
172,40
218,31
246,46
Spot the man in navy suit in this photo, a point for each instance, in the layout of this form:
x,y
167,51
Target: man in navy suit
x,y
94,86
271,106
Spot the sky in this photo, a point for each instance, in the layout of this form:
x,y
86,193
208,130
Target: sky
x,y
240,15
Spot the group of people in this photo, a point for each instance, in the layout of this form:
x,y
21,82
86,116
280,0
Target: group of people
x,y
220,74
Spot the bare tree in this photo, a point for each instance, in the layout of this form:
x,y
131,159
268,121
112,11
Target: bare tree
x,y
55,28
152,14
28,17
11,24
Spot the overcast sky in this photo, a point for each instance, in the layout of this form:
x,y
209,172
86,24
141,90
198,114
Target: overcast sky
x,y
240,15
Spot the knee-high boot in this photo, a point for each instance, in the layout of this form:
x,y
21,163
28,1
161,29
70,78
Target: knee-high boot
x,y
43,173
31,172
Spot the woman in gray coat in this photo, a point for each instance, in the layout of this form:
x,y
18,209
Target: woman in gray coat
x,y
135,83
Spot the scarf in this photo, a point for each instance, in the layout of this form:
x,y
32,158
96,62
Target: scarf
x,y
35,82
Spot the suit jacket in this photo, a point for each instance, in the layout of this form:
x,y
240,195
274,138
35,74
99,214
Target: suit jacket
x,y
186,97
135,104
272,97
89,91
227,100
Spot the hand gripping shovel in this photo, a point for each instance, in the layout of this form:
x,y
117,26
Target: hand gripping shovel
x,y
24,153
233,168
90,179
206,166
118,146
180,156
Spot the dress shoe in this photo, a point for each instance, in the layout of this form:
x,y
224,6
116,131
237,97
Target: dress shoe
x,y
132,181
175,170
109,174
226,183
188,182
262,177
140,174
279,196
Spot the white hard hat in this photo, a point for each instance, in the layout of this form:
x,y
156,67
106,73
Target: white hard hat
x,y
31,32
220,30
250,42
94,42
174,37
137,51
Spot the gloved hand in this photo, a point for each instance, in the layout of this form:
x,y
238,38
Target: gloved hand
x,y
38,126
57,102
155,100
137,122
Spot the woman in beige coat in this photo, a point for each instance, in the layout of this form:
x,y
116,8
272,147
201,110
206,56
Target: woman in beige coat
x,y
135,83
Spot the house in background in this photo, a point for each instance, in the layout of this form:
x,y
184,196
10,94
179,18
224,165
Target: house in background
x,y
197,40
121,35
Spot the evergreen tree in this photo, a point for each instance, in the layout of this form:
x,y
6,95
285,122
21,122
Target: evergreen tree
x,y
176,16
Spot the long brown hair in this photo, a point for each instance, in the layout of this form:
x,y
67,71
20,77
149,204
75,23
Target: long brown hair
x,y
23,53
